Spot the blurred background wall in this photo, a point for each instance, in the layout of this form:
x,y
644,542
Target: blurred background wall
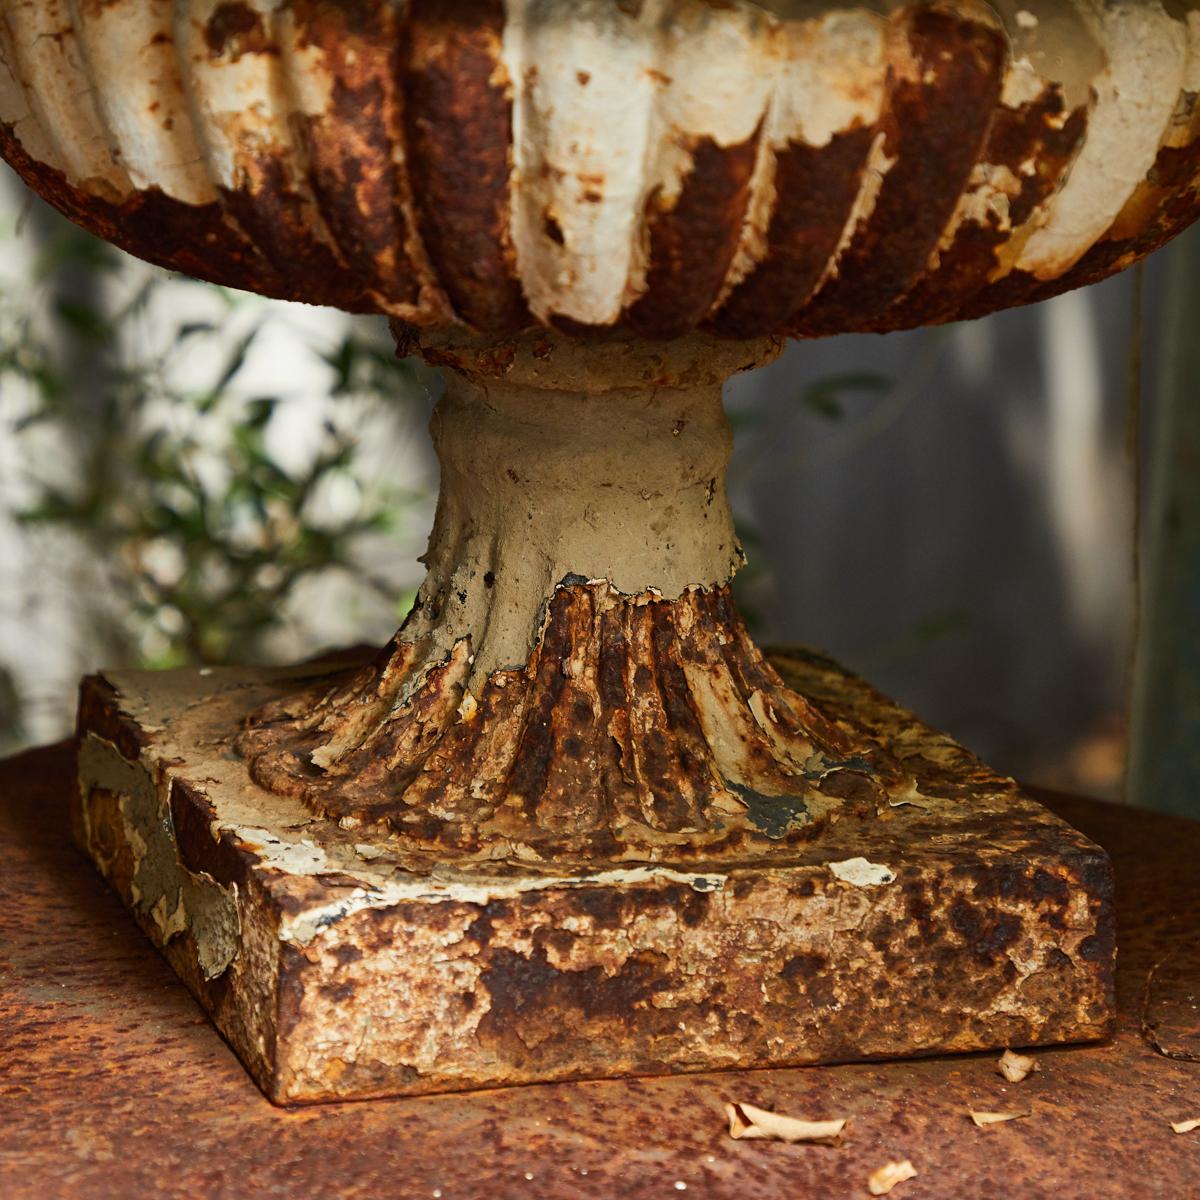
x,y
186,473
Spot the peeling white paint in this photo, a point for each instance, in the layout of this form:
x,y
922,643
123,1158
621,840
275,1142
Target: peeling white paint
x,y
579,150
129,53
165,892
861,872
44,57
438,887
812,101
1135,99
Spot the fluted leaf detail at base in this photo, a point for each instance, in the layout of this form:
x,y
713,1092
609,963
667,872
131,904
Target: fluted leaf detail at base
x,y
638,724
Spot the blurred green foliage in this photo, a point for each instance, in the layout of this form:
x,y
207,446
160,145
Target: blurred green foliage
x,y
200,532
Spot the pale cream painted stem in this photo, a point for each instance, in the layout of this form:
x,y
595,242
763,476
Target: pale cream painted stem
x,y
564,470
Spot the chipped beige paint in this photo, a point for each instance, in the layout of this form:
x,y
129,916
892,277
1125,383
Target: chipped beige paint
x,y
1136,96
172,899
1022,84
861,872
380,883
813,100
129,59
303,928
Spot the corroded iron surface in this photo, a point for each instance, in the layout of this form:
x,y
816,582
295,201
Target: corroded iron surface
x,y
574,680
115,1084
655,166
347,962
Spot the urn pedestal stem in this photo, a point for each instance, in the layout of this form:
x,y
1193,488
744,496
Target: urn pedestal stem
x,y
568,464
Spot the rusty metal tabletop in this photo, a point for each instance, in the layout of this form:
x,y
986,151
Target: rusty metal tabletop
x,y
112,1083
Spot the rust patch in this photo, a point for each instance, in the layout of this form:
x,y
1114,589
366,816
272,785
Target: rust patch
x,y
547,775
195,239
935,121
1161,208
199,851
693,242
359,188
279,219
1042,134
110,850
595,744
98,712
528,998
1163,205
135,1049
751,960
598,743
458,127
820,185
235,29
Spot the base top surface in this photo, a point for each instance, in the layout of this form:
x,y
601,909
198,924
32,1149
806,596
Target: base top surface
x,y
952,805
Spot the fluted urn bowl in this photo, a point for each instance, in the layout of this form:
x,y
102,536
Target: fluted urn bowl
x,y
594,212
653,166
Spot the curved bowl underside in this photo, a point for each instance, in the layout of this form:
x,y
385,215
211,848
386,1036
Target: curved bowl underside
x,y
802,167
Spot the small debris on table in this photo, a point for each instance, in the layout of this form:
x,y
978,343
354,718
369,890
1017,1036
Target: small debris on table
x,y
995,1118
747,1121
1015,1067
1186,1126
889,1175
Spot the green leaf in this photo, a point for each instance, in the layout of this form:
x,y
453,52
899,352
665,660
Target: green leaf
x,y
234,362
824,397
260,409
75,248
83,320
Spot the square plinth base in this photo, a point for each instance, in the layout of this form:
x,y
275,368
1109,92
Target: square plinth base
x,y
971,922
